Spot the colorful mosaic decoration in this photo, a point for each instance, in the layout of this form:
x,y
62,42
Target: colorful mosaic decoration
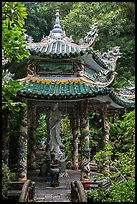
x,y
106,135
23,140
32,139
74,125
84,125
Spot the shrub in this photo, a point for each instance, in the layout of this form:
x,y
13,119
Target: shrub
x,y
95,195
7,176
122,191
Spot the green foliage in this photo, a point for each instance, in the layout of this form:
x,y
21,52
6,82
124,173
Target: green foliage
x,y
101,157
98,177
41,131
122,191
122,152
9,91
123,132
66,136
119,191
128,126
95,138
14,11
13,20
95,195
14,48
125,163
7,176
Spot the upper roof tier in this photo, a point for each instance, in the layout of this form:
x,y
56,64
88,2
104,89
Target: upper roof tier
x,y
58,45
60,69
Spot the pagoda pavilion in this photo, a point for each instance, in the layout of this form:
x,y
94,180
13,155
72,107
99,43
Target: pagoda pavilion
x,y
67,78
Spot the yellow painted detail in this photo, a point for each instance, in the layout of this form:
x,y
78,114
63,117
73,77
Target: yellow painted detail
x,y
47,81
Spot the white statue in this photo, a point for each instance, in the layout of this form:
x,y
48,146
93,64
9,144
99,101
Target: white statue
x,y
53,123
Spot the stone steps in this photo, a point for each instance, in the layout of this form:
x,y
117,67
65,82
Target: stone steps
x,y
52,195
45,193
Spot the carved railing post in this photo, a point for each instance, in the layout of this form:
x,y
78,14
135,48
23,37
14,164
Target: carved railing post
x,y
23,141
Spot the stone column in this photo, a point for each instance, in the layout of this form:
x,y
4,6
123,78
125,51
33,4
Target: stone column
x,y
84,142
74,121
105,128
23,140
32,138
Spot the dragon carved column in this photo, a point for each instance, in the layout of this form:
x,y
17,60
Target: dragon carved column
x,y
32,138
105,128
23,141
84,142
74,121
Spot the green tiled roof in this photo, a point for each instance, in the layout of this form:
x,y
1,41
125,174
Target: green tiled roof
x,y
57,90
56,48
62,49
121,100
67,88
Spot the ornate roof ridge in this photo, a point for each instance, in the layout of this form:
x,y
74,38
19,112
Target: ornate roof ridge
x,y
90,38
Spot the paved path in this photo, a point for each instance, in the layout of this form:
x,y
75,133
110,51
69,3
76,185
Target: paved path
x,y
45,193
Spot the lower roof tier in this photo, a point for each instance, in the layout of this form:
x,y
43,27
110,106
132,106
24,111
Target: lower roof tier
x,y
68,89
59,89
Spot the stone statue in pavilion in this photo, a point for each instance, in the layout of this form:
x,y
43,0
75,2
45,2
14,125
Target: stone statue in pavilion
x,y
53,126
78,78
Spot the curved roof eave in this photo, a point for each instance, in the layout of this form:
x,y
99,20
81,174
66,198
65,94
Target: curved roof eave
x,y
123,100
106,98
106,83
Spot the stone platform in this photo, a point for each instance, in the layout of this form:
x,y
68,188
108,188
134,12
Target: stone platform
x,y
45,193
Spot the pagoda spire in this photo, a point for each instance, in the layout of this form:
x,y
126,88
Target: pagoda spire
x,y
57,22
57,26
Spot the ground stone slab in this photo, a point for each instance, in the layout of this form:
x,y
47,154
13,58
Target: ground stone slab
x,y
45,193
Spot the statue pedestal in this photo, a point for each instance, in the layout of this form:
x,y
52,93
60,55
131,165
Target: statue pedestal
x,y
54,171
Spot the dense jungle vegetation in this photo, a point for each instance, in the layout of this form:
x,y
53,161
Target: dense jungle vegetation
x,y
116,25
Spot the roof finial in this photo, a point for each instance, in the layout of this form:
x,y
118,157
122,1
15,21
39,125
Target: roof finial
x,y
57,22
57,26
57,12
